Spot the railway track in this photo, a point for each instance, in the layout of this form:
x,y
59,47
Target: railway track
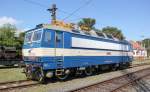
x,y
16,84
28,83
115,84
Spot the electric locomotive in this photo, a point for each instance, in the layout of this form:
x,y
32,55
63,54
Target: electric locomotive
x,y
54,51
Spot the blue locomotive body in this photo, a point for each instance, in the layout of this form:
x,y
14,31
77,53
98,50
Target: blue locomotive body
x,y
52,48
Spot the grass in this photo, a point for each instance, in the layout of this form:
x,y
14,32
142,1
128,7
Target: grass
x,y
11,74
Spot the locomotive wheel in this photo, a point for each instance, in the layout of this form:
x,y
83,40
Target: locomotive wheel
x,y
114,67
39,75
123,66
127,64
62,77
28,74
89,71
62,74
79,73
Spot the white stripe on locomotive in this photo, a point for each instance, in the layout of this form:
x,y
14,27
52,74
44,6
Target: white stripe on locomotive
x,y
87,43
72,52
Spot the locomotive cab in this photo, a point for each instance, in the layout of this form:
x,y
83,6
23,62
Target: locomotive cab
x,y
38,50
35,39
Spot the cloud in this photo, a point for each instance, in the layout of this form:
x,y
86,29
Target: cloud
x,y
10,20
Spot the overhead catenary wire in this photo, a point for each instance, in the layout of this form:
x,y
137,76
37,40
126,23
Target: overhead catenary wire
x,y
36,3
45,6
75,19
76,10
41,5
62,11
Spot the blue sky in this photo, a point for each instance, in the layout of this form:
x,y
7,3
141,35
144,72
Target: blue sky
x,y
131,16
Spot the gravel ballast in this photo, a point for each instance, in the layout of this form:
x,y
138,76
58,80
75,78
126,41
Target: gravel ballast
x,y
80,82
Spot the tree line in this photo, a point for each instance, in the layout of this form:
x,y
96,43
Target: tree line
x,y
114,31
8,33
90,22
8,36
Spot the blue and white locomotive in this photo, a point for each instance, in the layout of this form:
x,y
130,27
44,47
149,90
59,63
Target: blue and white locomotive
x,y
51,50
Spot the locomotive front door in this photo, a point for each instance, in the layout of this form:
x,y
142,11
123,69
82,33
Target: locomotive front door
x,y
59,47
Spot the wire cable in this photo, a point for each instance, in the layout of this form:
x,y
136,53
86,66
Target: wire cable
x,y
62,11
76,10
36,3
44,6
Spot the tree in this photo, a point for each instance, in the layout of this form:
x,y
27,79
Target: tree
x,y
7,35
21,39
87,22
146,44
114,31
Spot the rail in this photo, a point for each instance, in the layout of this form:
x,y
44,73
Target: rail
x,y
5,86
114,84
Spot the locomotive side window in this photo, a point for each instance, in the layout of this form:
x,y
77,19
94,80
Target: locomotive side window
x,y
76,31
28,37
87,33
37,35
109,36
58,36
100,34
47,36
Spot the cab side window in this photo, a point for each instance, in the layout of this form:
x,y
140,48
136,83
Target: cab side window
x,y
47,36
58,36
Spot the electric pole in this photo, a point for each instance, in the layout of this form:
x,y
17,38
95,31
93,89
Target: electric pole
x,y
53,12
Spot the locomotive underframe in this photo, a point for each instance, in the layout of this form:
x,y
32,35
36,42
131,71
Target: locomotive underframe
x,y
36,72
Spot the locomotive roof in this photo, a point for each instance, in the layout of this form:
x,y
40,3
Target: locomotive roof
x,y
76,31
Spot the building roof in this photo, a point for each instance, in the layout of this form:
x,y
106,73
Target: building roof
x,y
137,45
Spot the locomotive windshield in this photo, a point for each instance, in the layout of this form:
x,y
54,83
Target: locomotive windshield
x,y
33,36
28,37
37,35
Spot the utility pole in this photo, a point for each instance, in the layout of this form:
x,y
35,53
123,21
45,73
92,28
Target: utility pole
x,y
53,12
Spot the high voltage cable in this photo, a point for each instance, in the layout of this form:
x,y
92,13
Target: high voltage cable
x,y
75,19
86,3
42,5
35,3
69,14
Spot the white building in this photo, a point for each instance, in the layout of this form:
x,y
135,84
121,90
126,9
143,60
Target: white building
x,y
138,51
